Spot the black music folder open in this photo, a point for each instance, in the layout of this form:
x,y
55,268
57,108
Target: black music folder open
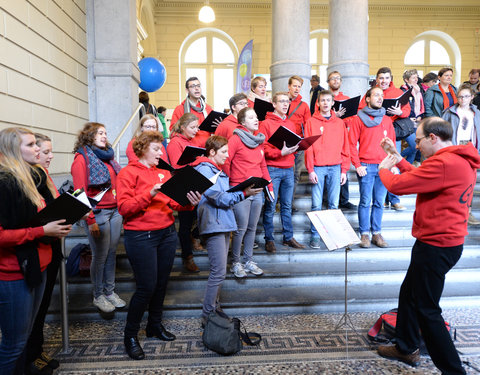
x,y
283,134
162,164
190,154
402,100
257,182
208,124
350,105
261,107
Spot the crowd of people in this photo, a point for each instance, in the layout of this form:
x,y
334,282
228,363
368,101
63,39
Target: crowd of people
x,y
374,141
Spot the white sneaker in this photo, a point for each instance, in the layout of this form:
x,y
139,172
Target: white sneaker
x,y
238,271
252,267
116,301
103,304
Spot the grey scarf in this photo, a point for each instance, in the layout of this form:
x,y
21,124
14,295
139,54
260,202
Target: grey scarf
x,y
377,114
188,106
248,139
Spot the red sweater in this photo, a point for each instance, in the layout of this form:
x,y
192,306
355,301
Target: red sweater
x,y
273,156
300,116
227,126
244,162
176,146
131,154
444,186
140,211
391,93
202,135
369,150
332,148
80,180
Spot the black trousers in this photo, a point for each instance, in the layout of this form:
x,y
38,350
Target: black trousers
x,y
186,221
419,309
344,194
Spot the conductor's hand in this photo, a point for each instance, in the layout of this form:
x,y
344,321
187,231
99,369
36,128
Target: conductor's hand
x,y
313,178
388,163
94,230
194,197
251,191
56,229
362,171
389,147
155,189
288,150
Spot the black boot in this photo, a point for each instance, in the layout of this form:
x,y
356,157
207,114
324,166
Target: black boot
x,y
159,331
133,348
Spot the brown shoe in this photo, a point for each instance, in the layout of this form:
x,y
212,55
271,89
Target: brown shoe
x,y
472,220
378,240
190,265
293,243
398,207
270,247
365,240
197,245
391,352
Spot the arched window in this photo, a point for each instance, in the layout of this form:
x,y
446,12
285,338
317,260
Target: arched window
x,y
319,54
431,51
211,55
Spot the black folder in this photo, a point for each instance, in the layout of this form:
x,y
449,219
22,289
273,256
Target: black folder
x,y
402,99
162,164
184,180
190,154
66,206
208,124
351,106
282,134
257,182
261,107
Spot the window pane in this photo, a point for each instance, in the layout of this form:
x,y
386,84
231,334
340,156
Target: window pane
x,y
222,88
313,51
201,74
323,76
415,54
438,54
324,51
197,52
222,53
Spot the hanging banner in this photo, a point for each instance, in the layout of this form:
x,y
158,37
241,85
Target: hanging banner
x,y
244,69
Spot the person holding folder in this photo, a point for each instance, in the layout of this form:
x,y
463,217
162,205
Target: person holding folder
x,y
182,135
94,169
216,219
25,251
258,89
280,168
246,159
150,237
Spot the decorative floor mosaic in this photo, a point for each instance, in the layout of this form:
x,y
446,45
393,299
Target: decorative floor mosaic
x,y
291,344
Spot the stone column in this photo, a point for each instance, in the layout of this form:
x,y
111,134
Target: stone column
x,y
290,44
113,74
348,44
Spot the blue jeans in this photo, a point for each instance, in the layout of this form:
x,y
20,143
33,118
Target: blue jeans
x,y
329,177
104,249
282,180
18,308
151,255
372,194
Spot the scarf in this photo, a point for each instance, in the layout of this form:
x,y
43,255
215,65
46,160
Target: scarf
x,y
251,96
97,171
377,115
248,139
446,102
188,106
418,101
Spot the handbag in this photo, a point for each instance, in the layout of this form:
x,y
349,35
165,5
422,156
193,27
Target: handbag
x,y
224,335
403,128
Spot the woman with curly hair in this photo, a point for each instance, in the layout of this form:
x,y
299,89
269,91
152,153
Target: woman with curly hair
x,y
94,169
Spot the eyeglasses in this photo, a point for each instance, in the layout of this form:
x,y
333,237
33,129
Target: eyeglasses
x,y
283,101
242,103
148,127
418,140
335,79
194,86
464,97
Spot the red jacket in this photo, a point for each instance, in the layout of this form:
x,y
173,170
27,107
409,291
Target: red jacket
x,y
80,180
227,126
244,162
202,135
369,150
273,156
444,186
332,148
175,148
140,211
300,116
390,93
131,154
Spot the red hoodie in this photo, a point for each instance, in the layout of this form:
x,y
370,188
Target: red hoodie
x,y
227,126
244,162
369,151
444,186
175,148
202,135
390,93
273,156
140,211
300,116
332,148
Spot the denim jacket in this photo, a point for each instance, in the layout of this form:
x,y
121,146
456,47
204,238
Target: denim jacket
x,y
215,214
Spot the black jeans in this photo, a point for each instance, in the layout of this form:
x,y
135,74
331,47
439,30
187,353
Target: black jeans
x,y
344,194
151,254
186,221
419,309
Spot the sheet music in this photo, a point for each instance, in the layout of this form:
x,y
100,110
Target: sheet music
x,y
334,229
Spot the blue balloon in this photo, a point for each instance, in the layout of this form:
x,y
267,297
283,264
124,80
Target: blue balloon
x,y
152,74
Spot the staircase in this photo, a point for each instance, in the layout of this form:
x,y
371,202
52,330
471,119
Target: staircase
x,y
295,281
